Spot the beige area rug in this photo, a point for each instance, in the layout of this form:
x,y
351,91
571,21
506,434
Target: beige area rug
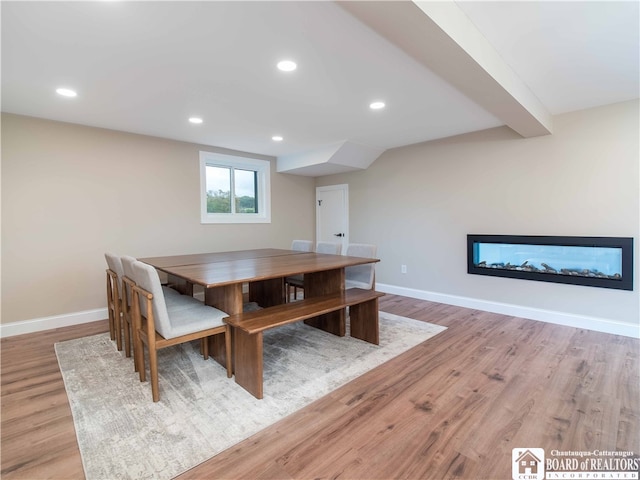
x,y
123,434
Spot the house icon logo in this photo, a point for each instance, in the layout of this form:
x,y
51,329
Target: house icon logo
x,y
527,463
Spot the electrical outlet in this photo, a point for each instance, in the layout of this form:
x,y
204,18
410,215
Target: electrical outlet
x,y
403,269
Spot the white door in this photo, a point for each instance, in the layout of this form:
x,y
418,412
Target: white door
x,y
332,214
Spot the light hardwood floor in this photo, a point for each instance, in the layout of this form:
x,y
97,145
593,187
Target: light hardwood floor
x,y
452,407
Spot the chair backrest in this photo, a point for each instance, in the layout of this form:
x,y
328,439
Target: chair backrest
x,y
302,245
329,247
361,250
114,263
146,277
127,268
362,275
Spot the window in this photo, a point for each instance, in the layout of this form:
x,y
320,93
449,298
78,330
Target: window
x,y
234,189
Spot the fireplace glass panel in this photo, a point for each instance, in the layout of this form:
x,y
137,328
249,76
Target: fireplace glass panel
x,y
594,261
605,262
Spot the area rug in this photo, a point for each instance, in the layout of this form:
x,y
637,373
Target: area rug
x,y
123,434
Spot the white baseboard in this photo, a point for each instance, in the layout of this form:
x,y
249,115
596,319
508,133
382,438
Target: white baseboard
x,y
558,318
57,321
48,323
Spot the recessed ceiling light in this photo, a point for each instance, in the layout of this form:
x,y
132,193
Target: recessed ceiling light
x,y
196,120
376,105
277,138
287,65
66,92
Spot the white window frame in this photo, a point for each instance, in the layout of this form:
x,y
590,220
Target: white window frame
x,y
263,169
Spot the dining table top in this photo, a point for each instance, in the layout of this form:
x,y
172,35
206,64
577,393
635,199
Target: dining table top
x,y
225,268
215,257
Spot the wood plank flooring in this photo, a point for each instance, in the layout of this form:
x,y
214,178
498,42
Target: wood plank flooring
x,y
453,407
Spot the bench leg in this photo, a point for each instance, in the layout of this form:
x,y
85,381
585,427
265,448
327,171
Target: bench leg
x,y
364,321
247,352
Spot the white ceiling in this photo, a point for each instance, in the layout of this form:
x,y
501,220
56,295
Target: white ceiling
x,y
146,67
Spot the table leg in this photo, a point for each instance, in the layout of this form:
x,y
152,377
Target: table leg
x,y
267,293
323,283
180,284
227,298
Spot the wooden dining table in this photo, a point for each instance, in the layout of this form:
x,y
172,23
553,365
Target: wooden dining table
x,y
224,274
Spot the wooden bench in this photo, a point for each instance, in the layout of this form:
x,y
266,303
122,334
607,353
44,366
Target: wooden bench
x,y
248,327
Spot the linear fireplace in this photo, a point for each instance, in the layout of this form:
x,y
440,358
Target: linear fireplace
x,y
594,261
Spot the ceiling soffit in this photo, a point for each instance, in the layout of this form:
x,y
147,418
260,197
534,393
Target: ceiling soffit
x,y
441,37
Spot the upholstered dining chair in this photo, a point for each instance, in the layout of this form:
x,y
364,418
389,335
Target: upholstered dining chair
x,y
329,247
302,245
361,276
114,297
127,310
159,323
127,295
296,281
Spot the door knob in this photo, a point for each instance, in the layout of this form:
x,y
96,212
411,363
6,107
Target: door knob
x,y
338,234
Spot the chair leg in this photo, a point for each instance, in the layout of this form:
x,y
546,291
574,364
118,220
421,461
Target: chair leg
x,y
118,326
112,328
112,323
138,348
204,347
138,351
127,337
227,343
135,340
153,368
110,309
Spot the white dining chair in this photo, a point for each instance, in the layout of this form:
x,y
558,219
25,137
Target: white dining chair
x,y
302,245
331,248
114,297
296,281
361,276
127,295
159,323
171,296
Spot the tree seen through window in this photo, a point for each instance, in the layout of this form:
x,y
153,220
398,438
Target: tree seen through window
x,y
227,186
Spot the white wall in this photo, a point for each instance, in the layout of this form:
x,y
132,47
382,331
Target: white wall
x,y
418,203
70,193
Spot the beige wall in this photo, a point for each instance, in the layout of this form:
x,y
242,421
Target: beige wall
x,y
70,193
418,203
